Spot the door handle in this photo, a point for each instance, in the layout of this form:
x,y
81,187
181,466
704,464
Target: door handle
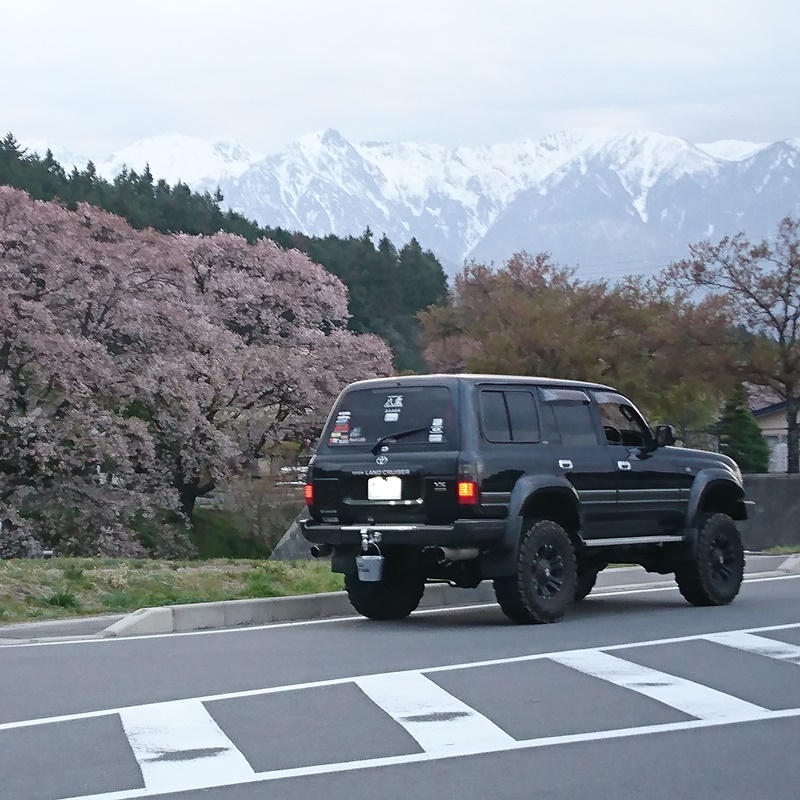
x,y
565,463
626,465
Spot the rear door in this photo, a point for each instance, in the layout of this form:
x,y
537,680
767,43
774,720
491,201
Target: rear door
x,y
511,435
389,455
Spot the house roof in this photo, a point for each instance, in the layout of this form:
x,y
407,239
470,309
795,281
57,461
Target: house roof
x,y
771,409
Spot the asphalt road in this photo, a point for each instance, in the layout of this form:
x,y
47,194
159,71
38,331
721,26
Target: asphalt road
x,y
634,695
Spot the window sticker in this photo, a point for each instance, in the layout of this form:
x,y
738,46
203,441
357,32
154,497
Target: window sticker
x,y
436,432
356,436
341,429
392,408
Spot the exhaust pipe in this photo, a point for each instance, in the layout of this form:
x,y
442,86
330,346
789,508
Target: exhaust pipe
x,y
456,553
321,550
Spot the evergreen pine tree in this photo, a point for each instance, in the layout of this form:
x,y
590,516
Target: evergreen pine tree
x,y
741,437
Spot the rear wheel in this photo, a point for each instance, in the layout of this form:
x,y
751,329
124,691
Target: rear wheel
x,y
393,597
546,576
714,575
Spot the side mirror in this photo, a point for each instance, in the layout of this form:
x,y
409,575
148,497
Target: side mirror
x,y
665,436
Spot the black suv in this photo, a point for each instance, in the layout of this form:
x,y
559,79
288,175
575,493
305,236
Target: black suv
x,y
535,483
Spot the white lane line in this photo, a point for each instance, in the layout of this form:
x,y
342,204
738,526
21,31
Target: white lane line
x,y
437,720
416,758
294,687
782,651
179,746
271,626
687,696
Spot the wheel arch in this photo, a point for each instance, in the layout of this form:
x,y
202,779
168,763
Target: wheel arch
x,y
714,492
534,497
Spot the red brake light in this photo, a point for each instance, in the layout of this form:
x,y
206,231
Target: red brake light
x,y
309,492
467,493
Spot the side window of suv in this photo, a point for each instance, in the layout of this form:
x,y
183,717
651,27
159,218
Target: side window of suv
x,y
622,424
574,421
509,416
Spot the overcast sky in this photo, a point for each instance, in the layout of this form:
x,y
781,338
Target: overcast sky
x,y
95,75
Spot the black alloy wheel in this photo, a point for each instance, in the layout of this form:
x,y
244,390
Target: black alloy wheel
x,y
546,576
714,575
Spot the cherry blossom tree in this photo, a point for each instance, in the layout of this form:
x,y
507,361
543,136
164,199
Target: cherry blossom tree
x,y
138,370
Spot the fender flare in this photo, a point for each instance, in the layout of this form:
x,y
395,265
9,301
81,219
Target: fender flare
x,y
502,561
705,480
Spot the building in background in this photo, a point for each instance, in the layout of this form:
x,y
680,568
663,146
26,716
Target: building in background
x,y
772,421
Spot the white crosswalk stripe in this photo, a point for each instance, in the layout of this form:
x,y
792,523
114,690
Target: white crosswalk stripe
x,y
687,696
179,746
436,719
759,645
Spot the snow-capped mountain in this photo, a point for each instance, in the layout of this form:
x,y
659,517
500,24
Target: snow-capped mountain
x,y
174,158
68,159
609,202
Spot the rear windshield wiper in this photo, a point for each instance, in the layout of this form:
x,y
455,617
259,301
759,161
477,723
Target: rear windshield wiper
x,y
391,436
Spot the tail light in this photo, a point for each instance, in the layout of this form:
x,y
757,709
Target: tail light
x,y
467,493
309,492
467,486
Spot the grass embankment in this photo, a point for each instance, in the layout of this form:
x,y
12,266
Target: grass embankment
x,y
68,587
783,550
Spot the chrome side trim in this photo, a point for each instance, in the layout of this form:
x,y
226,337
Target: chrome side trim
x,y
621,540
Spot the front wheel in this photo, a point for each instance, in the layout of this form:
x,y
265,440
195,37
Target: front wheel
x,y
546,576
390,598
714,575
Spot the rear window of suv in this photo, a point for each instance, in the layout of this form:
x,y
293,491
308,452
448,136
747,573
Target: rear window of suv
x,y
418,415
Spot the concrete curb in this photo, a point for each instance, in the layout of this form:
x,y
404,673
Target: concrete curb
x,y
791,565
233,613
263,611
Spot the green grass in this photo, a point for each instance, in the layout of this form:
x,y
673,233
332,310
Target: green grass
x,y
68,587
783,549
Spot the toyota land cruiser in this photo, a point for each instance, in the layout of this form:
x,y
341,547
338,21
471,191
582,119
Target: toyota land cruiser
x,y
537,484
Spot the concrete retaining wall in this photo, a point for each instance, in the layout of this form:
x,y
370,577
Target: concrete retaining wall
x,y
776,520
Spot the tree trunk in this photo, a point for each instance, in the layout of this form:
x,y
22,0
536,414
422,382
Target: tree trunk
x,y
189,492
793,435
188,495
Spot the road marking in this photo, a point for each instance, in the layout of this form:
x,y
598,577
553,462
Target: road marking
x,y
416,758
389,675
438,721
179,746
782,651
685,695
354,619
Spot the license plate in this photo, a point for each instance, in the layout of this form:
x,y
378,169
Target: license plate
x,y
380,488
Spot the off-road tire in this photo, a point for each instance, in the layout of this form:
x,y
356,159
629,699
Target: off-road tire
x,y
393,597
546,576
714,575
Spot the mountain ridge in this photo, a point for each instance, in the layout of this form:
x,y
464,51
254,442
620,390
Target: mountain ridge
x,y
584,195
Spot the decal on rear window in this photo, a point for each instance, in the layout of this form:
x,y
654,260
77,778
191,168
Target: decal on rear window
x,y
436,432
393,406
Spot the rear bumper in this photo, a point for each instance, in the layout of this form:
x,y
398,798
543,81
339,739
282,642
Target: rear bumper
x,y
462,532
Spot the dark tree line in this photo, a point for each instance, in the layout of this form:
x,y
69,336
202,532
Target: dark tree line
x,y
386,288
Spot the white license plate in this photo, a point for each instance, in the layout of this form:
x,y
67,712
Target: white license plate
x,y
380,488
